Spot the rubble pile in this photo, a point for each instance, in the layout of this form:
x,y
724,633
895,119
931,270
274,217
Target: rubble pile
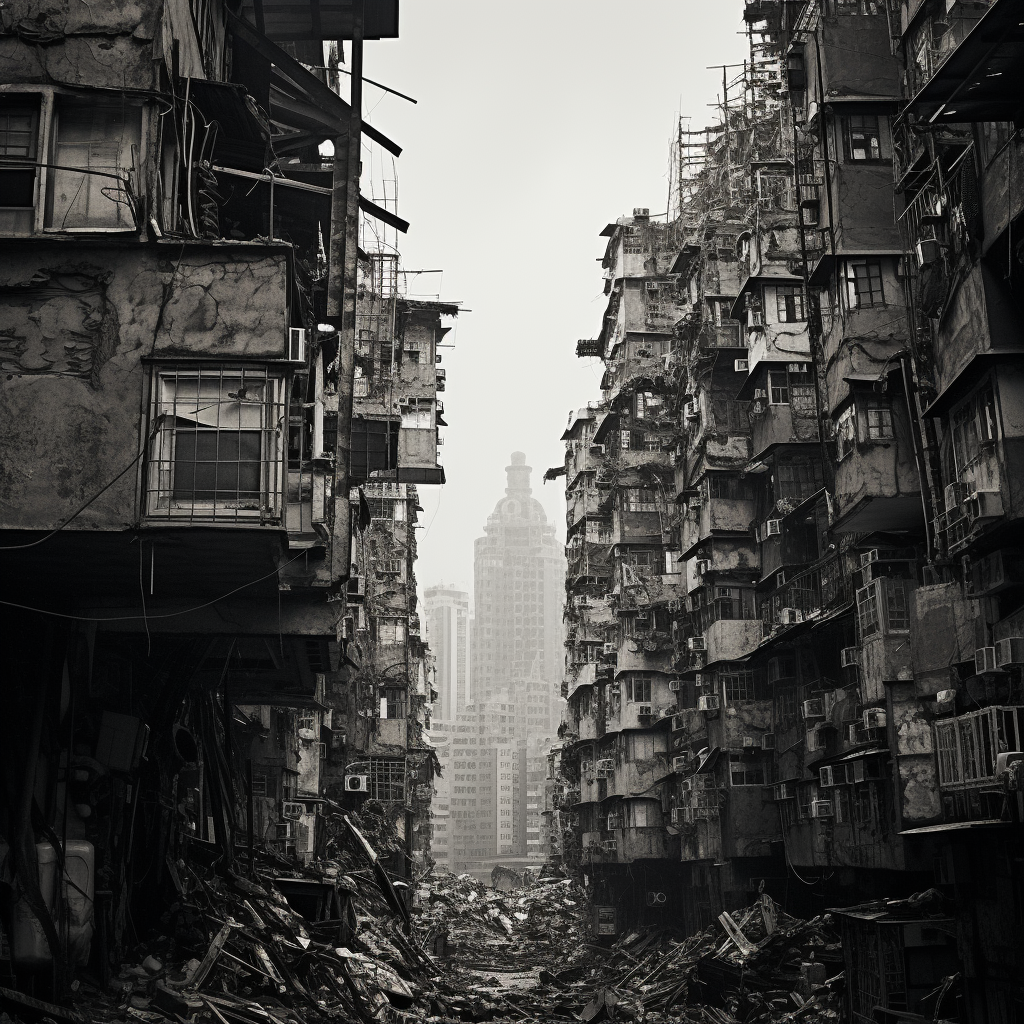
x,y
481,927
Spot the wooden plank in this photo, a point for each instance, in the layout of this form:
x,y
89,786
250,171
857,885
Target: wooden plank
x,y
732,929
9,995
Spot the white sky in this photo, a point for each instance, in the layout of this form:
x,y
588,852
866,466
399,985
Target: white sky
x,y
537,124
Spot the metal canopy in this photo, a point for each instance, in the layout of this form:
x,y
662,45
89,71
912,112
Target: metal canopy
x,y
983,78
292,20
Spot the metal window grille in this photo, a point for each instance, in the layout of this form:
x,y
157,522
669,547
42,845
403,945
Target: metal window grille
x,y
216,445
739,683
389,567
879,417
967,745
387,778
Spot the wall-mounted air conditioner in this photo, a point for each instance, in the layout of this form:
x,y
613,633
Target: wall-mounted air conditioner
x,y
709,702
814,708
849,656
696,643
985,660
675,685
784,791
741,365
821,808
644,710
1010,651
357,783
874,718
679,765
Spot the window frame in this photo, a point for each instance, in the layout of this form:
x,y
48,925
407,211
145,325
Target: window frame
x,y
161,498
790,307
783,390
846,432
879,407
865,134
855,296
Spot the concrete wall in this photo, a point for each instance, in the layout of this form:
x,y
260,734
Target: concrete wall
x,y
74,330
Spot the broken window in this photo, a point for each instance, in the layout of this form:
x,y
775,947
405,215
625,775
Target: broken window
x,y
883,607
215,449
746,770
789,300
374,447
95,155
863,138
846,433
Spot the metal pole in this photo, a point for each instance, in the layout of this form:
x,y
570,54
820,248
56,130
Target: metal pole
x,y
341,293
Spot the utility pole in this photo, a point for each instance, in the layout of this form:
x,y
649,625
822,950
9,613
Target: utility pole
x,y
341,295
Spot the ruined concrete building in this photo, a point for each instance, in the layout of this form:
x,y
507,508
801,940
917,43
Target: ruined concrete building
x,y
794,599
217,408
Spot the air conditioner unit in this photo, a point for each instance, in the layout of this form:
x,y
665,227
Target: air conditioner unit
x,y
784,791
652,286
678,815
768,741
983,505
814,708
772,528
790,616
283,830
814,739
985,660
605,764
755,319
293,810
609,846
703,566
832,776
1004,760
741,365
644,710
853,732
609,648
297,337
849,656
679,765
675,685
867,557
874,718
749,742
821,808
1010,651
614,821
357,783
696,643
929,250
709,702
946,697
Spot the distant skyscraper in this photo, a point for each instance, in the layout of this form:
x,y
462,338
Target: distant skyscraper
x,y
447,620
519,574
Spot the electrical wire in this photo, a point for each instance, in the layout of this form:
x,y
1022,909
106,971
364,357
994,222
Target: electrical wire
x,y
160,615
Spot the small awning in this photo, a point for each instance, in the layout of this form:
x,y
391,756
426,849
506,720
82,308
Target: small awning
x,y
682,263
760,279
243,136
983,78
886,515
608,422
956,826
554,473
291,20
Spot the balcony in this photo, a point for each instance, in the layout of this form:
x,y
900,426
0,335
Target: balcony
x,y
792,422
967,749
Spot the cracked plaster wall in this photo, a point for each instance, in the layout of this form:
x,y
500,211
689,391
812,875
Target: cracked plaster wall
x,y
74,329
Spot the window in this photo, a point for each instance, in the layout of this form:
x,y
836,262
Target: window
x,y
738,683
391,631
878,414
95,151
863,138
745,770
418,414
789,299
374,447
778,387
638,688
215,451
846,433
19,133
864,284
883,607
975,424
393,703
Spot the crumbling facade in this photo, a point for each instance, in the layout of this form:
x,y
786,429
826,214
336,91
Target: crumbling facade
x,y
827,459
216,410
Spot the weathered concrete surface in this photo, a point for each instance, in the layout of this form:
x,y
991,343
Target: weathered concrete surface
x,y
941,634
74,330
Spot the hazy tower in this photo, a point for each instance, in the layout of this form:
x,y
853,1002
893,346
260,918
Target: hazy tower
x,y
447,619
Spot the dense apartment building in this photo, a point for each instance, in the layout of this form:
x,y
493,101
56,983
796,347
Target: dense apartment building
x,y
448,620
792,512
217,407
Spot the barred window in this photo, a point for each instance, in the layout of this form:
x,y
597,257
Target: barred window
x,y
215,451
738,683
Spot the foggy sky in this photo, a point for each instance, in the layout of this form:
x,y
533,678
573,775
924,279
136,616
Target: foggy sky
x,y
537,124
